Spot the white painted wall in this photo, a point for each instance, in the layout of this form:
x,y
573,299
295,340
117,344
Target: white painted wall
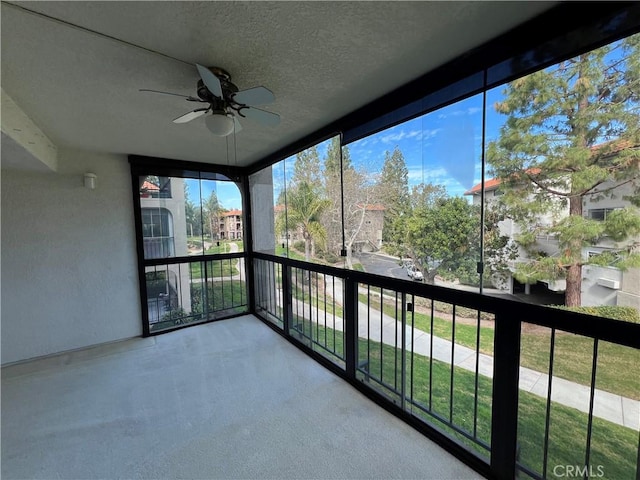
x,y
69,275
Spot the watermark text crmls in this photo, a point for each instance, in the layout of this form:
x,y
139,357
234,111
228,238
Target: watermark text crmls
x,y
578,471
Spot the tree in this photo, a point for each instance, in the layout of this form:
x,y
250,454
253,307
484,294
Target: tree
x,y
571,135
304,207
441,232
211,214
306,168
192,214
348,194
392,191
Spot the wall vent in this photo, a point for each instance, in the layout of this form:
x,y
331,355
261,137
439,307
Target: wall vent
x,y
605,282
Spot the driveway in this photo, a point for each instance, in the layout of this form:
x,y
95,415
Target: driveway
x,y
382,265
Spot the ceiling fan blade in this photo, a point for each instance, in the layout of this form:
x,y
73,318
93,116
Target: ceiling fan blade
x,y
210,80
260,116
191,99
187,117
254,96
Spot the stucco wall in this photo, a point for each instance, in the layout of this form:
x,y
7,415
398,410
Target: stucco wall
x,y
69,277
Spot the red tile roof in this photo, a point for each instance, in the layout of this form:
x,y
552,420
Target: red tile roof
x,y
149,186
232,212
493,183
616,146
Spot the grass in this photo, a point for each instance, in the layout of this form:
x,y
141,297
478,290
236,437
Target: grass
x,y
572,357
216,268
224,247
612,446
318,298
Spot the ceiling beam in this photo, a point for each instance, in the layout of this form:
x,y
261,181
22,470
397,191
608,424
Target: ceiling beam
x,y
29,145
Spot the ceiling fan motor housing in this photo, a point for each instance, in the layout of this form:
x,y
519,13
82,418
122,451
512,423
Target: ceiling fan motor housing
x,y
228,88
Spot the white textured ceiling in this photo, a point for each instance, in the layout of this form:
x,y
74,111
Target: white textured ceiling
x,y
321,59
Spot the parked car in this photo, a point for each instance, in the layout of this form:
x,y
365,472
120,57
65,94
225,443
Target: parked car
x,y
414,273
407,262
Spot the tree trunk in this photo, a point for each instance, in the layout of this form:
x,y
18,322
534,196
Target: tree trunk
x,y
573,295
307,249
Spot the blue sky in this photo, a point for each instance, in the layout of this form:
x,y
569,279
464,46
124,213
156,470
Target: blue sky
x,y
443,147
228,193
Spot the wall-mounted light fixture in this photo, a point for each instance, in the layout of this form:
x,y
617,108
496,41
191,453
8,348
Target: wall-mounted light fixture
x,y
90,180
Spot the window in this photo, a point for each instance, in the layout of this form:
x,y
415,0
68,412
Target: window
x,y
193,267
157,228
600,213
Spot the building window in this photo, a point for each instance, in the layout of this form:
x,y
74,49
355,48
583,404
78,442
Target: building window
x,y
157,232
600,214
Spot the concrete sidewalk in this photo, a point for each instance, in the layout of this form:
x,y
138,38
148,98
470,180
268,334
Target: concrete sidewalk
x,y
385,329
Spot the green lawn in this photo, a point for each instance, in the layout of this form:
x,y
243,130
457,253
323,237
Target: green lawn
x,y
572,358
216,268
224,247
612,446
318,300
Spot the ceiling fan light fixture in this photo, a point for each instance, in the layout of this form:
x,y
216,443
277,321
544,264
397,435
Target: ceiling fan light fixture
x,y
219,124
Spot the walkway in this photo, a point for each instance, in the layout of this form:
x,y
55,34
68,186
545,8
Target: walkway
x,y
608,406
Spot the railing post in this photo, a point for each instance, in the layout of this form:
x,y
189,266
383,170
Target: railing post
x,y
350,309
504,415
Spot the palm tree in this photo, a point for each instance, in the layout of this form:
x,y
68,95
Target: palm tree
x,y
304,207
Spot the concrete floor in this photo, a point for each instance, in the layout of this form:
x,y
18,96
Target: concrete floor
x,y
224,400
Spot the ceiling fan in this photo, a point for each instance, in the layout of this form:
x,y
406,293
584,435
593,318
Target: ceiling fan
x,y
226,104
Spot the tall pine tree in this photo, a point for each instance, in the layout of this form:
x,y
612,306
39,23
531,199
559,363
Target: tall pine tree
x,y
571,137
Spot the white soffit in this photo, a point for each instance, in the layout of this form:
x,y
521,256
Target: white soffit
x,y
321,59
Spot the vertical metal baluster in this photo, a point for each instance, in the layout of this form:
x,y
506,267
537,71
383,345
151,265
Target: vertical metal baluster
x,y
381,334
475,391
403,359
413,324
324,294
594,366
548,414
270,301
233,287
453,344
368,327
395,352
222,284
317,311
344,327
310,309
431,358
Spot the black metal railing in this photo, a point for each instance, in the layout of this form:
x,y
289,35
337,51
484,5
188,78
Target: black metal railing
x,y
514,390
186,291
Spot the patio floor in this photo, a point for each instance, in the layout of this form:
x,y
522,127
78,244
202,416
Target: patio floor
x,y
229,399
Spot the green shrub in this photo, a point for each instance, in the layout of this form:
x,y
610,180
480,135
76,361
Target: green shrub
x,y
299,245
616,312
331,258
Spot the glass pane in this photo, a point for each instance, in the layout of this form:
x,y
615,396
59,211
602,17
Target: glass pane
x,y
268,206
222,217
193,216
561,190
172,295
407,211
162,210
